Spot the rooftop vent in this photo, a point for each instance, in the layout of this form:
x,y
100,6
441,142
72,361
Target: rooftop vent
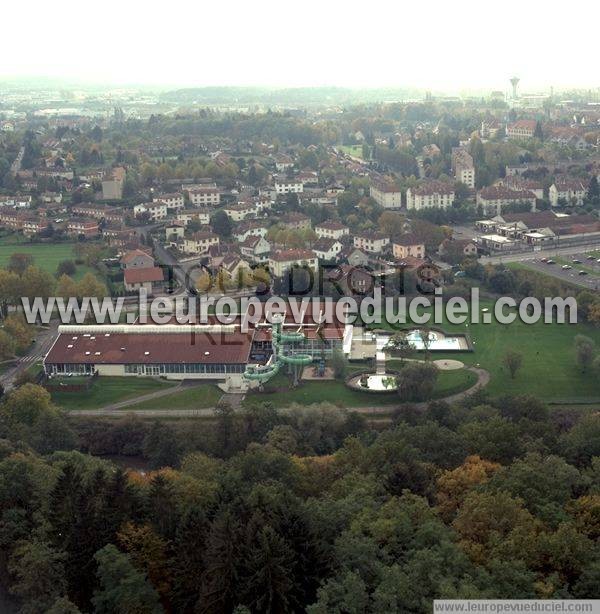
x,y
70,345
87,353
107,334
74,338
96,353
146,353
122,349
206,353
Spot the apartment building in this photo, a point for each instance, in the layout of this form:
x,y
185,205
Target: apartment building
x,y
567,191
331,230
372,242
199,242
205,197
282,261
408,245
463,167
429,195
385,194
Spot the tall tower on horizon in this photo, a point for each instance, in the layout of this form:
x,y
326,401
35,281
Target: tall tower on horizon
x,y
514,82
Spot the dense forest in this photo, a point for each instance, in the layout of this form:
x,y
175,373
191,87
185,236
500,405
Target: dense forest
x,y
315,509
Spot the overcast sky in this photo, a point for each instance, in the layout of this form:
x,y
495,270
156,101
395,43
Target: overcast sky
x,y
441,45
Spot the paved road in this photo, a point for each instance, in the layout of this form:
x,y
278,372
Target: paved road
x,y
545,253
36,353
590,281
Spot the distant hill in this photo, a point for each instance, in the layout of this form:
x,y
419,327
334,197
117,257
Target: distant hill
x,y
300,96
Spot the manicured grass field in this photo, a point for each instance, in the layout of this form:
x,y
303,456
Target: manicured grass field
x,y
45,255
548,371
197,397
336,392
352,150
108,390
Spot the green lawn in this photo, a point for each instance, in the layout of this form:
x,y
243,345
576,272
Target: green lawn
x,y
107,390
548,372
336,392
352,150
45,255
197,397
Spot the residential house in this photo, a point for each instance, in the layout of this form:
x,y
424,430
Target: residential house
x,y
155,210
33,225
463,166
83,227
287,185
386,194
296,221
371,241
331,230
240,211
187,215
205,197
95,211
174,200
174,231
567,191
494,199
255,249
521,129
137,259
282,261
457,247
354,257
327,249
519,183
408,245
146,278
112,184
283,162
199,242
249,228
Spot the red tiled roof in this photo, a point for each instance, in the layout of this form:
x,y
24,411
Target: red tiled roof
x,y
143,275
133,254
287,255
230,348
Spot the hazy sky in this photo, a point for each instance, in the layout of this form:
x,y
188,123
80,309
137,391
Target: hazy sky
x,y
447,45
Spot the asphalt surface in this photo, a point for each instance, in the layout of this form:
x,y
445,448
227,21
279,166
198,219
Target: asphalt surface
x,y
591,280
36,353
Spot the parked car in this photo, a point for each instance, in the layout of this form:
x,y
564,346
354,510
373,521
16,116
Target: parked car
x,y
566,267
575,261
550,262
582,272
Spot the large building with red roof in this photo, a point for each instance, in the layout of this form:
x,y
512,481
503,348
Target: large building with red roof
x,y
207,351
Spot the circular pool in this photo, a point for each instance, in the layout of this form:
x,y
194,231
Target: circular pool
x,y
377,383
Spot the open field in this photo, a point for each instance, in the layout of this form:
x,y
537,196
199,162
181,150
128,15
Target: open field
x,y
196,397
352,150
45,255
277,392
108,390
548,371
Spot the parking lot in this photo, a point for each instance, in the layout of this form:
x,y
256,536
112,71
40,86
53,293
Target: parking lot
x,y
582,269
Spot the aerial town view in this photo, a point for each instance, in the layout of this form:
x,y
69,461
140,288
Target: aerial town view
x,y
299,323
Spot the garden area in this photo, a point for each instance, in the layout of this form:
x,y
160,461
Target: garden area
x,y
279,392
549,369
